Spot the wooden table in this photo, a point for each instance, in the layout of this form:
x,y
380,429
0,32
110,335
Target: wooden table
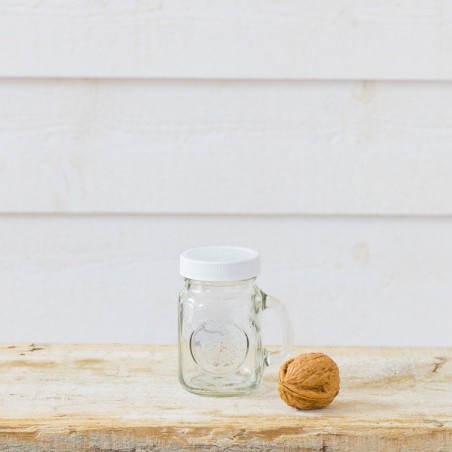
x,y
127,398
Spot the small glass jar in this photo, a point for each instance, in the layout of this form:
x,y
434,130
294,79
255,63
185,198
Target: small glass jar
x,y
220,311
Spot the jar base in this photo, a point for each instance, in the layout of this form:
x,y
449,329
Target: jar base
x,y
210,386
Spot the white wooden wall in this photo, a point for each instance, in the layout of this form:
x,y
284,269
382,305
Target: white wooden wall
x,y
318,132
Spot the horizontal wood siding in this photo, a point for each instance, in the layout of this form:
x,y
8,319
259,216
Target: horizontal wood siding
x,y
226,147
290,39
345,281
318,132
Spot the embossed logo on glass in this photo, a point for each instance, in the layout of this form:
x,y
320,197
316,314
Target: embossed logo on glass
x,y
219,346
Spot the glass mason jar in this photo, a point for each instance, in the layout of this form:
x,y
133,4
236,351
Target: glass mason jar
x,y
220,310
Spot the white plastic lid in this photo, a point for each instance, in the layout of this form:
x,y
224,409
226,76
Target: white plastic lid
x,y
219,263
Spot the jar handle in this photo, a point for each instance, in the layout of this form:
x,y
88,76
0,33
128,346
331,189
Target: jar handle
x,y
277,357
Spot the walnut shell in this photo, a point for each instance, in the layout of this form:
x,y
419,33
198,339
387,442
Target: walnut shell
x,y
309,381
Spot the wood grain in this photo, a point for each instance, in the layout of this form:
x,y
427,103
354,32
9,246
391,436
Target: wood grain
x,y
225,147
123,398
290,39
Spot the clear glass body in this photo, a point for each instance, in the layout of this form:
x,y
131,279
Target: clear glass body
x,y
220,346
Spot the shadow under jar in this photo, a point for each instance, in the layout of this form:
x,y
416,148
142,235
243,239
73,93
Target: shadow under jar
x,y
220,311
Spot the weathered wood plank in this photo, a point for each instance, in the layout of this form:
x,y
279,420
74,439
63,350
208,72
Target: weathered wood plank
x,y
216,147
291,39
122,397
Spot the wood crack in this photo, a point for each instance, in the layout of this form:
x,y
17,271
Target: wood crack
x,y
440,361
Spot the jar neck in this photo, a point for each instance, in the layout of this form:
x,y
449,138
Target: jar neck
x,y
240,285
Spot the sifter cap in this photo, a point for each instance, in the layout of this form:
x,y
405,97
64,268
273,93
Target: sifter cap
x,y
219,263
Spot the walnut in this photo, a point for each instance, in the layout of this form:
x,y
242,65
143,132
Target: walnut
x,y
309,381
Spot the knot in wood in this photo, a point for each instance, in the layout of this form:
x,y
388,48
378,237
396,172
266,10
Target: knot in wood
x,y
309,381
